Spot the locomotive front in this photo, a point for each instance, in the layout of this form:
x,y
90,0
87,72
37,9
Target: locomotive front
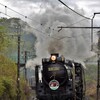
x,y
54,71
59,79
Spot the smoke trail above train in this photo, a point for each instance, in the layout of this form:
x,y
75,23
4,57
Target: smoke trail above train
x,y
72,43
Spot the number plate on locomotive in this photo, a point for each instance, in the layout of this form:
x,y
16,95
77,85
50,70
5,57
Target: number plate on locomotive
x,y
53,68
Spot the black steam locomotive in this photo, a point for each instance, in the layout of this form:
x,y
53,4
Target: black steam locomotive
x,y
59,79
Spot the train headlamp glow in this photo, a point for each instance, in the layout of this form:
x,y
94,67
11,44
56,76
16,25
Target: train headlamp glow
x,y
53,57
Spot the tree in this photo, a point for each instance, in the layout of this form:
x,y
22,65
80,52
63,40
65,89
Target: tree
x,y
3,40
7,79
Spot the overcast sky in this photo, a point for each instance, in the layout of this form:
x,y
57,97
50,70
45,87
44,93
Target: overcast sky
x,y
28,6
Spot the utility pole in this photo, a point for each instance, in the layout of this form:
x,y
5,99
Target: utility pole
x,y
25,54
98,71
18,70
18,64
25,66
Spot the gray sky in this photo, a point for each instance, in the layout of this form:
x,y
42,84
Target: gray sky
x,y
29,6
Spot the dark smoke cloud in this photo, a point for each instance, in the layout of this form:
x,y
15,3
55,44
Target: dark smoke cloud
x,y
55,46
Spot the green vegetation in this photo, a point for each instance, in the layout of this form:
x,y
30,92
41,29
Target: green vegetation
x,y
3,40
8,67
91,81
7,70
8,81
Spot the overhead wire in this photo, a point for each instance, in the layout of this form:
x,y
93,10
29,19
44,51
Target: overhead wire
x,y
76,13
32,19
35,29
31,26
40,5
5,14
26,17
17,12
74,10
76,22
73,23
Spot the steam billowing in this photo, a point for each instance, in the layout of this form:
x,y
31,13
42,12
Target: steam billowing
x,y
72,43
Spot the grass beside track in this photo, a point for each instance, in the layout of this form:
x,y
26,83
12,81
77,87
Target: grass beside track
x,y
91,81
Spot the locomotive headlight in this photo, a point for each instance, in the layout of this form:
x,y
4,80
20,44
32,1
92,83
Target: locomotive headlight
x,y
53,57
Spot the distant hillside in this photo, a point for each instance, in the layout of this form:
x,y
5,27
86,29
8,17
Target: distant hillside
x,y
15,26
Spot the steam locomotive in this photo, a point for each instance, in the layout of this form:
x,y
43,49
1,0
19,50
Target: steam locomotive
x,y
59,79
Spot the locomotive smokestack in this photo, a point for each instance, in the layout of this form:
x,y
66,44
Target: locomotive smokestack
x,y
56,54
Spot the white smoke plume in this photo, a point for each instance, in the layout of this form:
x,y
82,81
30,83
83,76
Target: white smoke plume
x,y
72,43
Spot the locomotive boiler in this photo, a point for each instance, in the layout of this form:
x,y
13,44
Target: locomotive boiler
x,y
59,79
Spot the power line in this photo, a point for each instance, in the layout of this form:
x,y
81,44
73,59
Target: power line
x,y
5,14
32,19
35,20
73,24
26,17
16,12
21,15
77,22
43,33
73,10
